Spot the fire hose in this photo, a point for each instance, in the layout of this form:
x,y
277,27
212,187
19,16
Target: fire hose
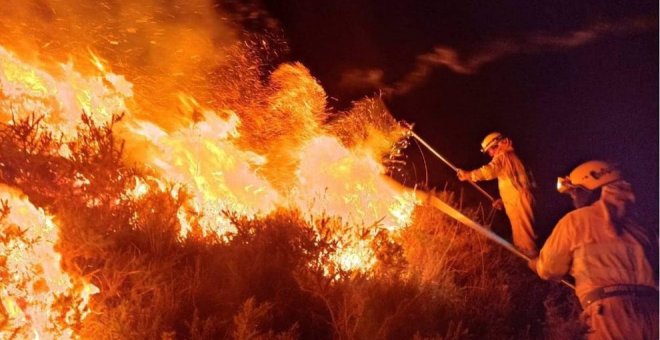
x,y
458,216
418,138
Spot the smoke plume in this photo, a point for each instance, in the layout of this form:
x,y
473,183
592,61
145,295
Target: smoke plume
x,y
471,62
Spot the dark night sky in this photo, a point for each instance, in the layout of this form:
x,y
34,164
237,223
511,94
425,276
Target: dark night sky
x,y
561,105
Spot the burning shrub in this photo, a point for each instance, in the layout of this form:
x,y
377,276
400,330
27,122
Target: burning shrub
x,y
276,275
184,229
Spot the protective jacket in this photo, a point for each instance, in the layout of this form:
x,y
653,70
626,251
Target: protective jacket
x,y
515,190
612,259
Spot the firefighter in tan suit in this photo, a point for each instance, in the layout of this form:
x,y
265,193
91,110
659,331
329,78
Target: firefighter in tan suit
x,y
611,256
514,186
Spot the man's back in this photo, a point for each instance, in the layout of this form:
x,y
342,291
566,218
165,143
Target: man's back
x,y
601,255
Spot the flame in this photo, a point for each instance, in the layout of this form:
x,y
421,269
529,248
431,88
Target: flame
x,y
348,183
221,168
359,256
235,141
27,89
35,287
215,171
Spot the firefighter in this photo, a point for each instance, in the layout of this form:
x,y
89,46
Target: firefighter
x,y
611,256
514,185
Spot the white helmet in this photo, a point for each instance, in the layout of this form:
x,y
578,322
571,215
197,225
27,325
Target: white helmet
x,y
490,141
590,175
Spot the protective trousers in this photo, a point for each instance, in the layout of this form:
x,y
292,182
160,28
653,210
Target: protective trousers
x,y
519,209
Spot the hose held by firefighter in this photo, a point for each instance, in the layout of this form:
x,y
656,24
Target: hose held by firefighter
x,y
611,256
514,185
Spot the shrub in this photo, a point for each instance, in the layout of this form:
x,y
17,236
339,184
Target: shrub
x,y
273,278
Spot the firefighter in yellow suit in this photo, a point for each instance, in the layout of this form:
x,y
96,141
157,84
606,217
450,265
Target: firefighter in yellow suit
x,y
514,186
611,256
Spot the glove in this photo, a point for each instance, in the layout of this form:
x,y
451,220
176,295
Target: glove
x,y
463,175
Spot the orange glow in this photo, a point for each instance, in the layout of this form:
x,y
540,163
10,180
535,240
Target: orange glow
x,y
212,160
242,143
27,89
348,183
